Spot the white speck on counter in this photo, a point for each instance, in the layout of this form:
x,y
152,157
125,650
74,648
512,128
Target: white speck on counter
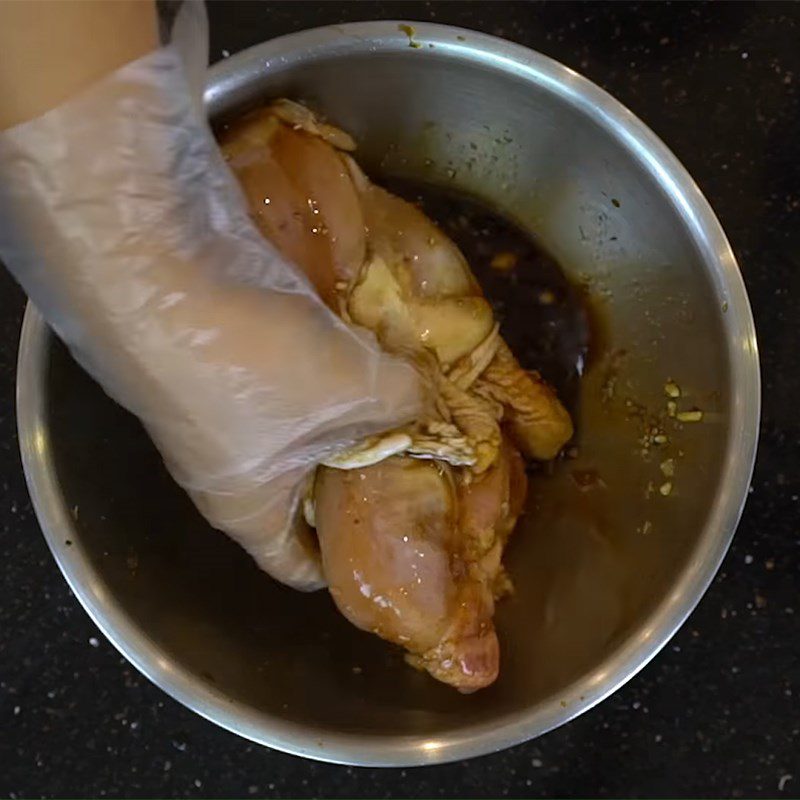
x,y
536,762
745,56
93,641
225,53
748,559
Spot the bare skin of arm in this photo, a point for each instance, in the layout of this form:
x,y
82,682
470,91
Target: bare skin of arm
x,y
53,49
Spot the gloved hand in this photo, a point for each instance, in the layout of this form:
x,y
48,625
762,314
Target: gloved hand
x,y
125,227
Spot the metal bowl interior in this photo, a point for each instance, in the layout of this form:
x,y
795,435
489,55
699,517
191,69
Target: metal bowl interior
x,y
597,596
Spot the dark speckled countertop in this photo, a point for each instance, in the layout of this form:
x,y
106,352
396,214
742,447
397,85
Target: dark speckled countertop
x,y
717,713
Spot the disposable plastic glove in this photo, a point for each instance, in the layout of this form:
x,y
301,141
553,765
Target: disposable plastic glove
x,y
125,227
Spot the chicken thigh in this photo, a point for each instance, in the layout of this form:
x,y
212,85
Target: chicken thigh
x,y
412,526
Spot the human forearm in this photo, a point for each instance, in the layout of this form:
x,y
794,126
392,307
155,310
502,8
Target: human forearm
x,y
53,49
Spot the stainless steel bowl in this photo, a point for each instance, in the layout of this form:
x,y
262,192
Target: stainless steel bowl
x,y
604,573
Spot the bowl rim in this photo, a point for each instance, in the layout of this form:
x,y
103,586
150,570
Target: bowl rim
x,y
642,644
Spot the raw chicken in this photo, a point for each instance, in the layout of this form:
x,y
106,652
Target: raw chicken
x,y
412,553
412,525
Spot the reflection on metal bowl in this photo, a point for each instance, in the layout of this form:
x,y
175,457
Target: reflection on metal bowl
x,y
618,544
